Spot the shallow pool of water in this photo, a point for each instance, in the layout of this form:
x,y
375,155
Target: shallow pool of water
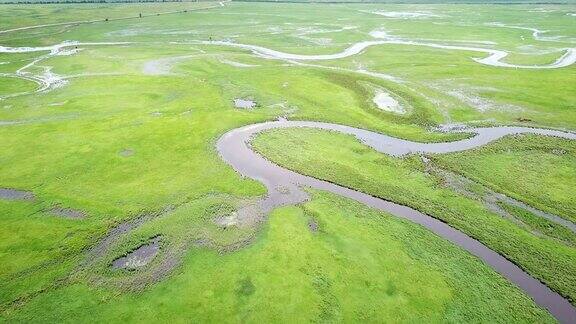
x,y
139,257
244,103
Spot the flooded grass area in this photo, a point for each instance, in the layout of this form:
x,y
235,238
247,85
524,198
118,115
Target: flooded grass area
x,y
140,257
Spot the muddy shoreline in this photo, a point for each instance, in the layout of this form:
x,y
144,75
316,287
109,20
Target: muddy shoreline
x,y
234,148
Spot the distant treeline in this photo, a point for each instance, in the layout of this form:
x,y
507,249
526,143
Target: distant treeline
x,y
91,1
536,2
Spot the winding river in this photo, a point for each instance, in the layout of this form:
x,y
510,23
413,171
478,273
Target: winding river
x,y
494,57
284,188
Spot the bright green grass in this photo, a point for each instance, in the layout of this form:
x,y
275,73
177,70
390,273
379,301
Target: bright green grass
x,y
542,225
10,86
45,248
540,171
362,265
404,181
67,146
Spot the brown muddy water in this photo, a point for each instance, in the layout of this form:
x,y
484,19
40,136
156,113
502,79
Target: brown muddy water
x,y
140,257
234,148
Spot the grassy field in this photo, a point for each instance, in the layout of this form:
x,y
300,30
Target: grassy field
x,y
536,170
407,182
128,134
293,274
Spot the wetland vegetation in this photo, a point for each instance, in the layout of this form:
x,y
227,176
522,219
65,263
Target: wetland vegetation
x,y
116,204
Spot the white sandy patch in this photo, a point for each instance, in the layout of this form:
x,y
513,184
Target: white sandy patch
x,y
53,80
380,33
386,102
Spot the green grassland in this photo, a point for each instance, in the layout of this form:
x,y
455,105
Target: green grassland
x,y
352,269
67,145
537,170
407,182
11,85
17,16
